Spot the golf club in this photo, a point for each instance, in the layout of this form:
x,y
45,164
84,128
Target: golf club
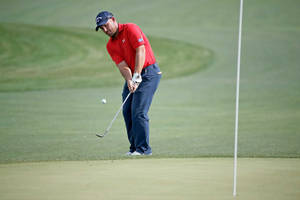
x,y
106,131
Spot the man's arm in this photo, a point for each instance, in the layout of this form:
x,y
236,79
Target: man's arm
x,y
127,75
125,70
139,64
139,59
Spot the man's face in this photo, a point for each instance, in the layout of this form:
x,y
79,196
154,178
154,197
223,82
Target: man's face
x,y
110,28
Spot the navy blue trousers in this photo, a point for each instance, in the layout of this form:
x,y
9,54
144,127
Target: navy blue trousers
x,y
135,110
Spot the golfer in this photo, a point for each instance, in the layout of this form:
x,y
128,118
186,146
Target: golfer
x,y
130,49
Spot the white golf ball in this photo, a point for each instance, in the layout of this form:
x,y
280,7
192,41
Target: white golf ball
x,y
103,101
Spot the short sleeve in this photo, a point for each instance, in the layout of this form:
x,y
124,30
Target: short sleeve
x,y
135,36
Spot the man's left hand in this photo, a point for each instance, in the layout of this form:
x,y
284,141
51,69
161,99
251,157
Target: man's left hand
x,y
136,78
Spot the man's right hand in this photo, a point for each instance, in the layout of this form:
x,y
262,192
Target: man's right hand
x,y
132,86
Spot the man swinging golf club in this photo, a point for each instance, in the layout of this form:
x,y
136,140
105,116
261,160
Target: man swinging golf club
x,y
130,49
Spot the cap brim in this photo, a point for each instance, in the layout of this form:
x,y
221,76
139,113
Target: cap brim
x,y
101,24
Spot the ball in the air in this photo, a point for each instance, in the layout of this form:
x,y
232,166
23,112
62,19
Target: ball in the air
x,y
103,101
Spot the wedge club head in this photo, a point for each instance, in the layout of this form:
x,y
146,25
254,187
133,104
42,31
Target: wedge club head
x,y
101,135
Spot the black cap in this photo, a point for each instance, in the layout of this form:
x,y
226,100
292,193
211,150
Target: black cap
x,y
102,18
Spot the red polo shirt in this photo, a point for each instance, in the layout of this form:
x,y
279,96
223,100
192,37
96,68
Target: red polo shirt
x,y
123,47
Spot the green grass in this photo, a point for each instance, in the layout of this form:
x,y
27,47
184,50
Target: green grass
x,y
39,58
54,71
191,116
174,179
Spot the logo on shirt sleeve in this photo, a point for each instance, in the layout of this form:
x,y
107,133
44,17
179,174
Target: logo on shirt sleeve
x,y
141,39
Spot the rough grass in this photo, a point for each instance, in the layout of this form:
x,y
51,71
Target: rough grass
x,y
38,58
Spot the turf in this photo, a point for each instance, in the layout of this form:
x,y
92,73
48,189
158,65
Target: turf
x,y
200,178
40,58
191,116
52,84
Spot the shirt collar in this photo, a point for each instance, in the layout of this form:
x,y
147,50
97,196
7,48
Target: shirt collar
x,y
121,27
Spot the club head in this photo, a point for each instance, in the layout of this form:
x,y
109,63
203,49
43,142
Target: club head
x,y
102,135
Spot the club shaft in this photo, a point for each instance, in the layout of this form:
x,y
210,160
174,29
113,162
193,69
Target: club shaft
x,y
116,115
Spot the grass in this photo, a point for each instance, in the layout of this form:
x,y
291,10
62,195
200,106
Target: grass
x,y
41,58
205,178
191,115
52,83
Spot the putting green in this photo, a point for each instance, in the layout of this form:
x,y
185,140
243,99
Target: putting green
x,y
196,178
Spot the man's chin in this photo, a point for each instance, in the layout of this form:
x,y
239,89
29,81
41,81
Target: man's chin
x,y
110,34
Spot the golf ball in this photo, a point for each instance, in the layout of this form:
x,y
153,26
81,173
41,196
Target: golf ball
x,y
103,101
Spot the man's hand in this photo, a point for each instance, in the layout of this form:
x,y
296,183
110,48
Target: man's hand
x,y
132,86
136,78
